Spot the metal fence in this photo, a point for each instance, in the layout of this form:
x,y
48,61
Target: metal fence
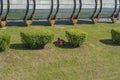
x,y
59,9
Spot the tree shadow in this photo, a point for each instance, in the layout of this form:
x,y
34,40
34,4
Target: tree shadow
x,y
1,51
21,46
18,46
109,42
67,45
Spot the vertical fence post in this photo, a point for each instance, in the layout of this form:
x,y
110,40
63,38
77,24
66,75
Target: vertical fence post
x,y
51,20
75,18
27,22
1,12
114,17
3,22
96,18
93,18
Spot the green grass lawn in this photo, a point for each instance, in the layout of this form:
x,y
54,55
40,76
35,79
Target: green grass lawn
x,y
97,59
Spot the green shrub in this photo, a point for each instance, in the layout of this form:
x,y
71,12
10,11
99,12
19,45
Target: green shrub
x,y
4,40
115,36
75,37
35,39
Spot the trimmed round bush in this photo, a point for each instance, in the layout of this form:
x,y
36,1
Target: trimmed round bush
x,y
75,37
36,38
115,36
4,40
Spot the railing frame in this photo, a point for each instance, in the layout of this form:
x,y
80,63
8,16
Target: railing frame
x,y
94,17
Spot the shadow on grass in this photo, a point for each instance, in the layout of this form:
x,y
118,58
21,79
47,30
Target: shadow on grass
x,y
1,51
18,46
21,47
109,42
66,45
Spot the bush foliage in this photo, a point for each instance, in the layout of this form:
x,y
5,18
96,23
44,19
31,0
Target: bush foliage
x,y
115,36
75,37
36,38
4,40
